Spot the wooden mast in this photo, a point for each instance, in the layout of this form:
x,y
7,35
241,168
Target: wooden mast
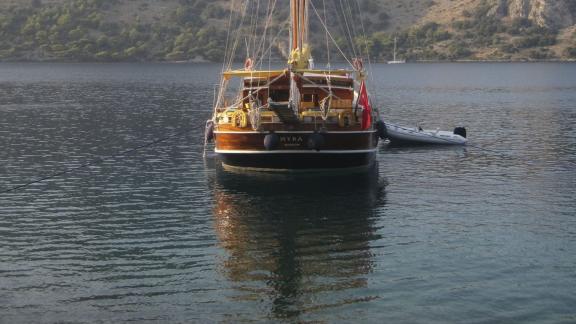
x,y
299,51
301,22
299,30
294,15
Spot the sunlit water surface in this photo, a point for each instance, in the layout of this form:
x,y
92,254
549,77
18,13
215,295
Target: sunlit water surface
x,y
477,234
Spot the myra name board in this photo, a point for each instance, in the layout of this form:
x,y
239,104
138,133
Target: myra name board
x,y
291,140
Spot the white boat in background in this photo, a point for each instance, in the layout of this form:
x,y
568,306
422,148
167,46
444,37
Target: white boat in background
x,y
395,61
416,135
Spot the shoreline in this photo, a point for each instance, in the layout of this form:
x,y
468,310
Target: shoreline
x,y
280,62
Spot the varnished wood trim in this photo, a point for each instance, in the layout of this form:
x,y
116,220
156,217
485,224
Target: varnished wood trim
x,y
294,151
295,132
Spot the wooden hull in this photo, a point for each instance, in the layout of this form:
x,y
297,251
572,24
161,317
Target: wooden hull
x,y
298,161
295,150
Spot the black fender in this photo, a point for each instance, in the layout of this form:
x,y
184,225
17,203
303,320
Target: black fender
x,y
315,141
271,141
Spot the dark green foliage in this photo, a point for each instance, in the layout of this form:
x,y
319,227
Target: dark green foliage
x,y
463,24
508,48
481,23
382,21
519,26
570,52
539,54
458,51
482,10
80,30
535,41
77,31
485,30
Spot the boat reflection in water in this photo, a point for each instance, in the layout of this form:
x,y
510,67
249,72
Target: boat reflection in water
x,y
291,239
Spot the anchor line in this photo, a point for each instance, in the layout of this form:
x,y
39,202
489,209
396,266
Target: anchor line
x,y
96,161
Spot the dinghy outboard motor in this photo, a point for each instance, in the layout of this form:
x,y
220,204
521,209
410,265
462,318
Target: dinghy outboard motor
x,y
381,128
271,141
460,131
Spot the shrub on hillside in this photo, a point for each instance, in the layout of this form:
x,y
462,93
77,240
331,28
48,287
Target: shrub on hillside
x,y
458,51
570,52
535,41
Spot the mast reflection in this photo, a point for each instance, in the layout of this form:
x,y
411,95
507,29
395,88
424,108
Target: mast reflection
x,y
294,242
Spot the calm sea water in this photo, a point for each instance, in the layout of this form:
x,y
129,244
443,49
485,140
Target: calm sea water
x,y
430,235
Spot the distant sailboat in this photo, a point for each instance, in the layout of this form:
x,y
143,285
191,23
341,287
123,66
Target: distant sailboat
x,y
395,61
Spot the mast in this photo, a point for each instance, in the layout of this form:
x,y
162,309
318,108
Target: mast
x,y
299,51
303,27
394,49
294,26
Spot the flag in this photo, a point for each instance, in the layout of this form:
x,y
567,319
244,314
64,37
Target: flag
x,y
365,102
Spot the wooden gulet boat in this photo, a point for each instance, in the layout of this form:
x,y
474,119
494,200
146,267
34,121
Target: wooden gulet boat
x,y
296,118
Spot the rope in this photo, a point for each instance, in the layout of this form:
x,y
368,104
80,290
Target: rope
x,y
268,51
325,107
254,112
327,42
251,93
95,161
229,57
259,51
319,86
238,35
227,36
328,32
370,74
350,37
354,33
256,19
326,102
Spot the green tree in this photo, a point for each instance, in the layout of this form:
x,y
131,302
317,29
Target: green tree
x,y
64,19
570,52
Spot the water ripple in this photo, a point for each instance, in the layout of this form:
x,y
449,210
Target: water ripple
x,y
162,235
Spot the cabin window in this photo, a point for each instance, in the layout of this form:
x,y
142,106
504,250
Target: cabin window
x,y
307,97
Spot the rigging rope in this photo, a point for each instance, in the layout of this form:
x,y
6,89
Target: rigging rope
x,y
354,33
229,57
325,107
251,93
228,35
327,41
260,53
328,32
351,39
371,84
254,112
268,51
255,30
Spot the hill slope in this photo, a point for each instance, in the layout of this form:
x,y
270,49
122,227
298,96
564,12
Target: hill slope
x,y
174,30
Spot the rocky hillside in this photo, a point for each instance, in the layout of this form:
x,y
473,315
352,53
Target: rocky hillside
x,y
175,30
507,29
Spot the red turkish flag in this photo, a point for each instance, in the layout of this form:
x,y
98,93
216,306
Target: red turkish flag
x,y
365,102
